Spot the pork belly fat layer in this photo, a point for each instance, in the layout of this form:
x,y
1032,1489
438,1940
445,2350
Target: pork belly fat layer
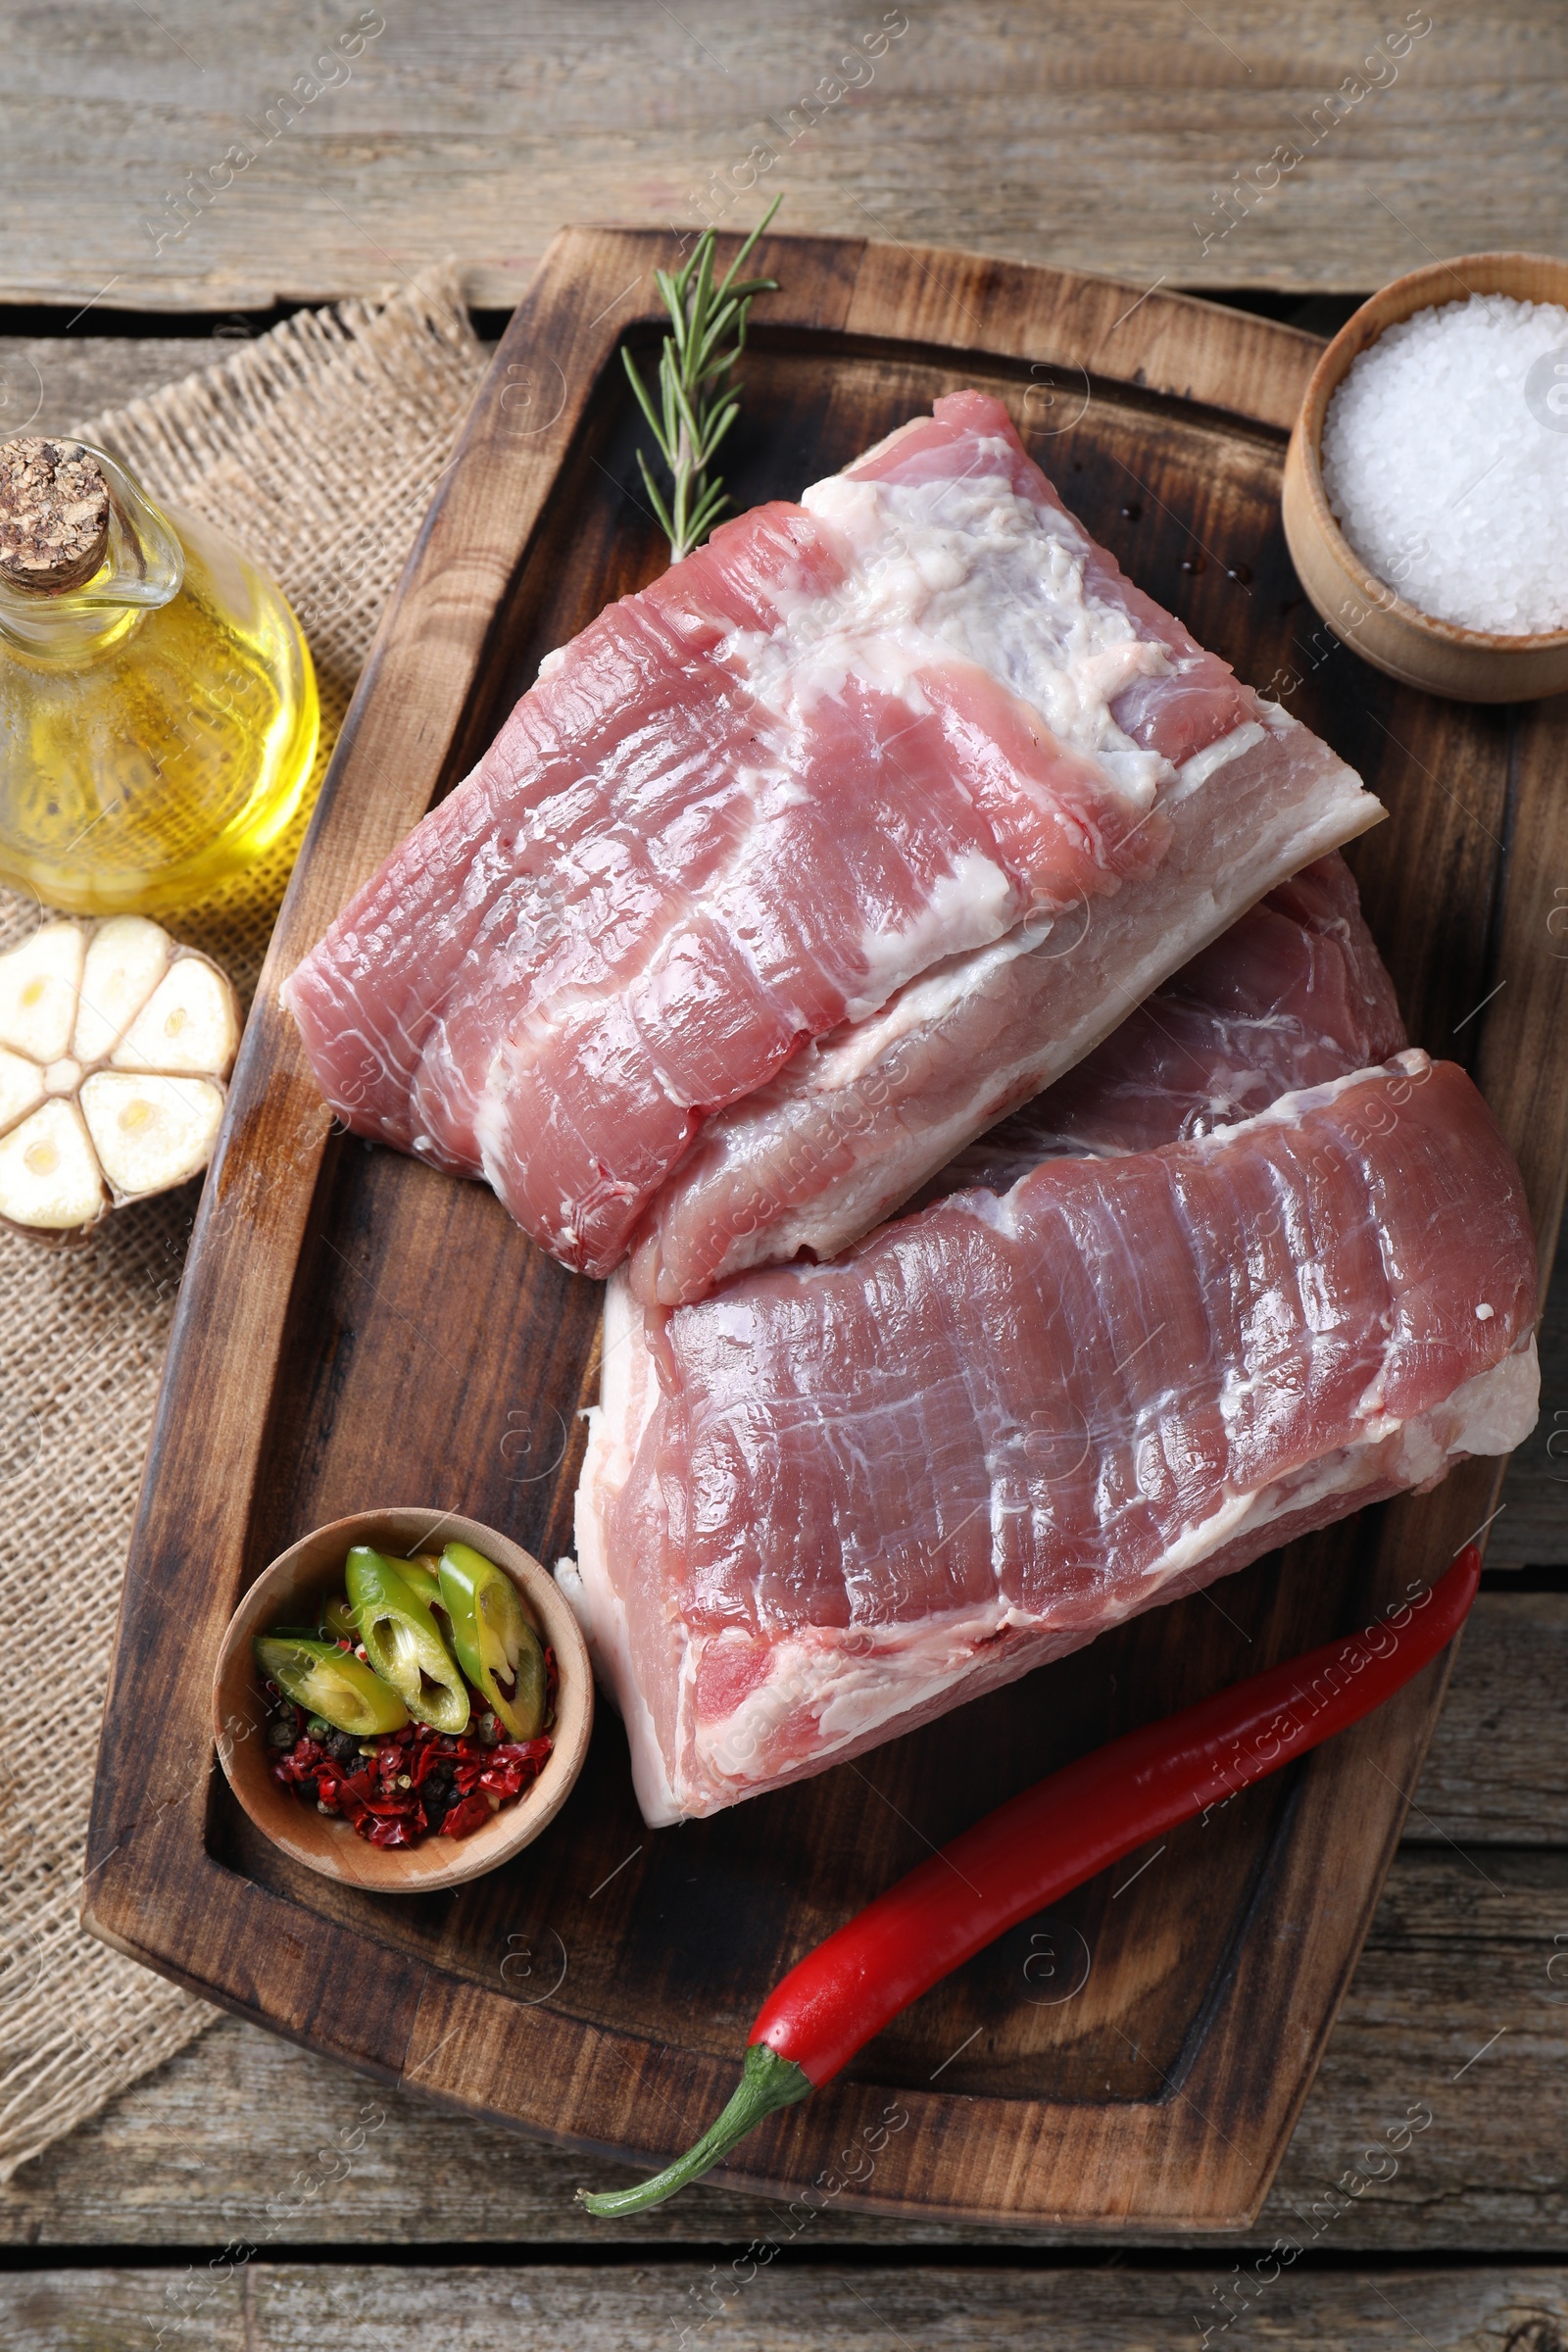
x,y
863,1491
853,757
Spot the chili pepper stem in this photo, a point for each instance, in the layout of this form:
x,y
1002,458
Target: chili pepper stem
x,y
767,2082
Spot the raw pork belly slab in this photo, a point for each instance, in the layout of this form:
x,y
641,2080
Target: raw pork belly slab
x,y
801,865
853,1494
1293,994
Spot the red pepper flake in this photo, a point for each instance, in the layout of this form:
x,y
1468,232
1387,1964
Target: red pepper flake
x,y
465,1816
385,1814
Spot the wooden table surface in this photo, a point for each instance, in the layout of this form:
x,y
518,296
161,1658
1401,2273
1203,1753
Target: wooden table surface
x,y
1098,135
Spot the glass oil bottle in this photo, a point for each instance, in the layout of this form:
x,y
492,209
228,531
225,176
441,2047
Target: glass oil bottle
x,y
158,705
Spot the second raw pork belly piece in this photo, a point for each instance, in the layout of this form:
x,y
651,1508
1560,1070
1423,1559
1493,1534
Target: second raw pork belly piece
x,y
1293,994
806,863
850,1496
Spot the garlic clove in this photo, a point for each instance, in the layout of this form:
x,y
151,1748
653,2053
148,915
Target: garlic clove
x,y
152,1131
48,1176
126,957
39,985
21,1088
188,1024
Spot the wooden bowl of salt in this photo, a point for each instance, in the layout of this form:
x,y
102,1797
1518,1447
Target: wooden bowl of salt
x,y
1372,585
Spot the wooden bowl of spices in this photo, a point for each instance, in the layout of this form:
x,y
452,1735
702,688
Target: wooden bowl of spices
x,y
1426,483
371,1777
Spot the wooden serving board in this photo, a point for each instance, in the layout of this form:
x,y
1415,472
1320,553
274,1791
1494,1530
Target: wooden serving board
x,y
355,1330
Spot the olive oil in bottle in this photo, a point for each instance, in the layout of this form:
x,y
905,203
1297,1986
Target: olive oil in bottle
x,y
157,707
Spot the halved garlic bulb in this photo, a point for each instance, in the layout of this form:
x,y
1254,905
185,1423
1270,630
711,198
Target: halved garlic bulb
x,y
115,1043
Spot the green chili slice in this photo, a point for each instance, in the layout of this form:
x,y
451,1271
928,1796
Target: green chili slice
x,y
337,1621
420,1575
326,1680
403,1641
496,1648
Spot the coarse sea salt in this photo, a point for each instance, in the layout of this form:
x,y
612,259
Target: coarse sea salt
x,y
1445,462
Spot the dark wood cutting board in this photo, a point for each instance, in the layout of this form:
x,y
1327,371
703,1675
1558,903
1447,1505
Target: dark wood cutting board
x,y
355,1330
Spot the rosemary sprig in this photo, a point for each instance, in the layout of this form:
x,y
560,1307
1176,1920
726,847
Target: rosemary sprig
x,y
698,398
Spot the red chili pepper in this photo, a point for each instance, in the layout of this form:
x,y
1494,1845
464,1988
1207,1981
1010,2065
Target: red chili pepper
x,y
1044,1842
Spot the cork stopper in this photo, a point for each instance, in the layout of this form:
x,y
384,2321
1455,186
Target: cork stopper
x,y
54,514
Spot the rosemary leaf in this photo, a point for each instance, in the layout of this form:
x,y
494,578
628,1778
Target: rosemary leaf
x,y
698,398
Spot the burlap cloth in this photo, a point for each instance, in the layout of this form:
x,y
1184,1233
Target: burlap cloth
x,y
316,448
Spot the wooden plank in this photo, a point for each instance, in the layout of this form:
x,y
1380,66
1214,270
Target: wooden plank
x,y
48,381
228,2138
1094,137
303,1360
1528,962
1496,1773
287,2307
1533,1530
